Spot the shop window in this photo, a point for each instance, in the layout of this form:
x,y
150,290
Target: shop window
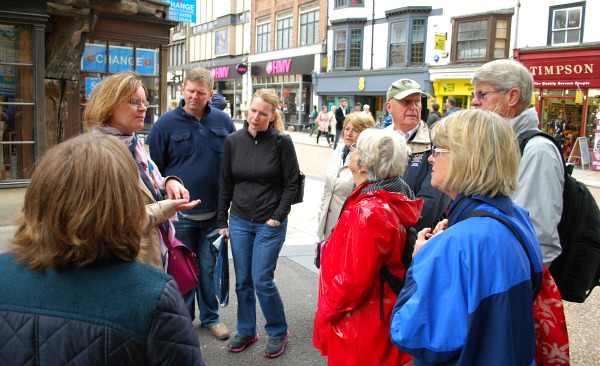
x,y
348,3
309,24
263,34
284,30
481,38
566,24
101,59
17,138
347,49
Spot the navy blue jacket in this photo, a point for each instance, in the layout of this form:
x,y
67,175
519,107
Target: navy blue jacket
x,y
192,150
110,313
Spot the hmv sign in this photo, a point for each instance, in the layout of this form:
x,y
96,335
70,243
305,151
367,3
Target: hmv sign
x,y
279,66
293,65
220,72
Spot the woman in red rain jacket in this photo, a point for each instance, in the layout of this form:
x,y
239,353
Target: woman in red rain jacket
x,y
370,233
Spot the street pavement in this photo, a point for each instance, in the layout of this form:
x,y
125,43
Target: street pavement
x,y
297,279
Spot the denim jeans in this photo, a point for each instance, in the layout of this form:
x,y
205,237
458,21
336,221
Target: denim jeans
x,y
255,248
199,236
338,133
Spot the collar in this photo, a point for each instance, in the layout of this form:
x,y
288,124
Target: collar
x,y
462,205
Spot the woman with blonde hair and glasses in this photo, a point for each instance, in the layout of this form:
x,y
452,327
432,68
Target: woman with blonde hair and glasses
x,y
117,107
468,298
71,291
339,182
259,173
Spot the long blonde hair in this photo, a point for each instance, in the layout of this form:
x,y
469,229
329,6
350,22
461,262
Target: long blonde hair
x,y
269,96
83,204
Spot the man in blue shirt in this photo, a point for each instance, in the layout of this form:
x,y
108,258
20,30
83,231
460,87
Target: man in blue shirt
x,y
187,142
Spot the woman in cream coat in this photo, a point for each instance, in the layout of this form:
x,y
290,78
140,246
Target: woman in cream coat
x,y
338,177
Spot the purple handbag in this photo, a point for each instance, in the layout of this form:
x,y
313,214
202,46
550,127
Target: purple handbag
x,y
183,264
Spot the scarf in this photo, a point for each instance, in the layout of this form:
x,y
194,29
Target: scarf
x,y
149,174
394,184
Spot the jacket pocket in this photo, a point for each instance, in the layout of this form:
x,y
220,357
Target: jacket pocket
x,y
182,143
217,139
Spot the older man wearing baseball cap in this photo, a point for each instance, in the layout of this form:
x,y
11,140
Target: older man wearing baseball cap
x,y
404,104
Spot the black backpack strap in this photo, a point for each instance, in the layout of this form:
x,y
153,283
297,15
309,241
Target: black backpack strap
x,y
529,134
397,283
484,213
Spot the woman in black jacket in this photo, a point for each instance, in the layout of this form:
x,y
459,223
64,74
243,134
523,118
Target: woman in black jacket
x,y
259,172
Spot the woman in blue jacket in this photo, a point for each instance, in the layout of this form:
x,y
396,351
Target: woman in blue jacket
x,y
468,298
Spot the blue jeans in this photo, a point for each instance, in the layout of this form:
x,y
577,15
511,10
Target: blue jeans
x,y
338,133
199,236
255,248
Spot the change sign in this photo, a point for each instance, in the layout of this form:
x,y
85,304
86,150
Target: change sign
x,y
182,10
96,59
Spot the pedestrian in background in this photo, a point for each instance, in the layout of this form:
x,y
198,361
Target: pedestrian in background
x,y
71,291
505,87
332,122
404,105
352,324
450,106
323,125
188,142
117,106
477,265
258,184
339,181
312,120
340,116
434,116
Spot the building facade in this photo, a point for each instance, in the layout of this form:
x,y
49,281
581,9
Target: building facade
x,y
51,55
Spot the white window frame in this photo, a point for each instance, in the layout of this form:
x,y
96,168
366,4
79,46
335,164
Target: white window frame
x,y
562,33
307,27
283,38
263,35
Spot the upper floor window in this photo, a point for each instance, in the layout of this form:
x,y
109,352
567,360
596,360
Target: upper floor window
x,y
309,24
346,3
481,38
263,34
566,24
411,32
284,30
347,49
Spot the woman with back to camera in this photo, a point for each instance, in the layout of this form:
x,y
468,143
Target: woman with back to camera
x,y
353,317
117,106
468,298
71,291
339,182
259,174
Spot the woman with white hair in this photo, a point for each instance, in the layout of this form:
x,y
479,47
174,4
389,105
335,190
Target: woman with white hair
x,y
370,234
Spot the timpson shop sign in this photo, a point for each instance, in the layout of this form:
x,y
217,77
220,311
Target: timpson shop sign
x,y
584,72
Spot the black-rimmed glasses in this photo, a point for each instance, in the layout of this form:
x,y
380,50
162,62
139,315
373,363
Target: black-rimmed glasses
x,y
481,95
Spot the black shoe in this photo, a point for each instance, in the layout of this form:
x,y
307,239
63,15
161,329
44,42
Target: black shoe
x,y
275,347
239,343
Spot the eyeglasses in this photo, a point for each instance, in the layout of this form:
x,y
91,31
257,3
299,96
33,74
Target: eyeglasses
x,y
409,102
437,151
137,102
480,95
353,147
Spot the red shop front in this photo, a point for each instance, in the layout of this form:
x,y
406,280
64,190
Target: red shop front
x,y
567,92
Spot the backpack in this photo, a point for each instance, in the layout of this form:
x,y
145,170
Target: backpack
x,y
397,283
576,270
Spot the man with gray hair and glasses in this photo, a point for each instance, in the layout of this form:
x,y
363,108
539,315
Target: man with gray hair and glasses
x,y
505,87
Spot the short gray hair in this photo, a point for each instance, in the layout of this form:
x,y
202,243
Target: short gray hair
x,y
383,153
506,75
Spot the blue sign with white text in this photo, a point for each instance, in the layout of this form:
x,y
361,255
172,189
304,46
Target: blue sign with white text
x,y
182,10
96,59
90,83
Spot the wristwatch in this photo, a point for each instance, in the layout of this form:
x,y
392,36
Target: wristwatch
x,y
277,222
